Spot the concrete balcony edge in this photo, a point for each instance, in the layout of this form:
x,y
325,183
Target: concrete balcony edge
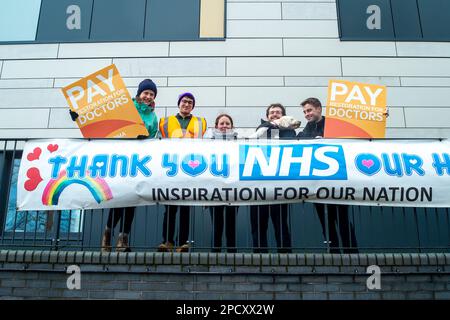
x,y
144,262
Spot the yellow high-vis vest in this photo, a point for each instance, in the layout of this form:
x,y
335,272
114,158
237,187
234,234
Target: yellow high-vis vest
x,y
170,128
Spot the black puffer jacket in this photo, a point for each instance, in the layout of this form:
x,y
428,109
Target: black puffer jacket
x,y
313,129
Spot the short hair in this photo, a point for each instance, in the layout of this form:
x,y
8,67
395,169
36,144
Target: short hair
x,y
224,115
312,101
276,105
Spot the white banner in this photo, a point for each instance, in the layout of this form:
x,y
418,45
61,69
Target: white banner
x,y
79,174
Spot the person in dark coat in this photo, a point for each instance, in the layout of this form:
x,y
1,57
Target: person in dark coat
x,y
338,222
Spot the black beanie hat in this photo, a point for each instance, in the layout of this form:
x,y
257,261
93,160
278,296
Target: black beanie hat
x,y
146,84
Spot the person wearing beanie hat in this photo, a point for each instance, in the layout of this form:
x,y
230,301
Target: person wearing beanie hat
x,y
144,103
182,125
147,84
188,95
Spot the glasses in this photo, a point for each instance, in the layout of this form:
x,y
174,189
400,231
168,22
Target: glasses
x,y
187,101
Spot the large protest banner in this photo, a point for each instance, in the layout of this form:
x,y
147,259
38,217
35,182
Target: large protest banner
x,y
355,110
104,106
78,174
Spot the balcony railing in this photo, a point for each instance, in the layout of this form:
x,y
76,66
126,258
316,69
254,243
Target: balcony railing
x,y
307,227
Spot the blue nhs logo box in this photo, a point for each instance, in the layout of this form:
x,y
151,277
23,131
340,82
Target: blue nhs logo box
x,y
292,162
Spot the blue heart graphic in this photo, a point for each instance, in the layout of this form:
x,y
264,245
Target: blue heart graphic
x,y
367,163
193,164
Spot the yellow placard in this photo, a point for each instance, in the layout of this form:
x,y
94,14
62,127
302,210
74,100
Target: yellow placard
x,y
104,106
355,110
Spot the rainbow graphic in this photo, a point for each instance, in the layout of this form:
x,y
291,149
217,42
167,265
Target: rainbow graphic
x,y
98,188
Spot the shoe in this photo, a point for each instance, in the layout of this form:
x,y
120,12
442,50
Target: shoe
x,y
122,243
165,247
106,241
183,248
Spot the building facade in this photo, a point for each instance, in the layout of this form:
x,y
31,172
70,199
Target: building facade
x,y
273,51
237,57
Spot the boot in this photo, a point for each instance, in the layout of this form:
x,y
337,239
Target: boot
x,y
122,243
106,241
165,247
183,248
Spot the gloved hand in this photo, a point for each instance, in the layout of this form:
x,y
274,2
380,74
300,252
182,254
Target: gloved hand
x,y
73,115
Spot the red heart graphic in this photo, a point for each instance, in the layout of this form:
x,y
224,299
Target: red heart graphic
x,y
35,178
52,147
368,163
193,164
34,155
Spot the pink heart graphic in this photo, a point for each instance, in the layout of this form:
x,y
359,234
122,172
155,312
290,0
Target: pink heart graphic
x,y
52,147
35,178
368,163
34,155
193,164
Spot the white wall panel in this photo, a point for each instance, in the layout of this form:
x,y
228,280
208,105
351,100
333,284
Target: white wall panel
x,y
204,96
23,118
395,67
39,133
115,49
228,48
309,10
162,67
260,96
129,82
423,49
26,83
425,82
418,97
254,11
225,81
336,48
52,68
31,98
282,29
283,67
427,117
411,133
28,51
323,81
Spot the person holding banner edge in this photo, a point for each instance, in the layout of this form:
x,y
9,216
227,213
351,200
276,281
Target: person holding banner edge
x,y
337,215
259,214
144,103
187,126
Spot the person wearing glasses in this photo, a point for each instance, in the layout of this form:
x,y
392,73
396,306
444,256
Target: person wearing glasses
x,y
187,126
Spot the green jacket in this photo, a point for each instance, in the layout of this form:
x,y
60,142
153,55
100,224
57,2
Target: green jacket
x,y
149,117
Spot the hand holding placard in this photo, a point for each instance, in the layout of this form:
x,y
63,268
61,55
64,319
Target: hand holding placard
x,y
102,106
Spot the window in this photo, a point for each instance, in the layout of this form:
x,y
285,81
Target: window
x,y
19,20
65,20
59,21
394,20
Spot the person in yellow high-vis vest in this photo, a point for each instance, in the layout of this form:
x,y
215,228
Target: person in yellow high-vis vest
x,y
181,125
